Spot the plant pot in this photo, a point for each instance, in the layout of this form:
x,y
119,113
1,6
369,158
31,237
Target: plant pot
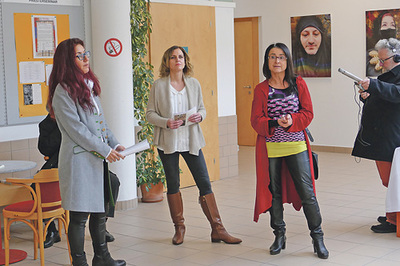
x,y
155,193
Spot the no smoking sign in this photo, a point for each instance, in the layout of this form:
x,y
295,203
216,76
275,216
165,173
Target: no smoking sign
x,y
113,47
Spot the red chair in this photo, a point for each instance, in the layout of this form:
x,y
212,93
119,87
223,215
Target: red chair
x,y
46,204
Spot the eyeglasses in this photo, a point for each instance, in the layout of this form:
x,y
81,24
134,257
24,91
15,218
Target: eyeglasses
x,y
274,57
82,56
383,60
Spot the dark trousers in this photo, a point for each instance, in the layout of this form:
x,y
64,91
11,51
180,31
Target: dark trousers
x,y
76,230
299,168
197,166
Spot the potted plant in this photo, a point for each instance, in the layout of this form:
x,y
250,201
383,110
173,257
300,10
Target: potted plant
x,y
149,170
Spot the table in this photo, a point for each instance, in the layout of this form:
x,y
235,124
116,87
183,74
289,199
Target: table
x,y
15,166
12,166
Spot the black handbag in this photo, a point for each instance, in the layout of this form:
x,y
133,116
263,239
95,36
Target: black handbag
x,y
314,155
315,164
111,189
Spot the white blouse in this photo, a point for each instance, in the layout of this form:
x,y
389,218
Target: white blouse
x,y
180,104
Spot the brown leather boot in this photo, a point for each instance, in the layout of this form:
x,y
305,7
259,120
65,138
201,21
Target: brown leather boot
x,y
218,232
176,210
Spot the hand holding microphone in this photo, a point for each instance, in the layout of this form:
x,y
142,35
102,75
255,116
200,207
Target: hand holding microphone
x,y
362,84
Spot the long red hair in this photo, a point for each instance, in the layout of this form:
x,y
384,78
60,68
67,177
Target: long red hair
x,y
71,78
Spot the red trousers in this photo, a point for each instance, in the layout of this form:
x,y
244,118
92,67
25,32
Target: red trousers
x,y
384,173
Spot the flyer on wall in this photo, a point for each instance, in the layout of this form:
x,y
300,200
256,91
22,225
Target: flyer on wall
x,y
44,36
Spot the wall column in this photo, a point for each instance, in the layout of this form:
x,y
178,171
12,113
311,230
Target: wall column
x,y
111,19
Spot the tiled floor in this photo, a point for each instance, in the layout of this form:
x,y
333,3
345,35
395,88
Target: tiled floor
x,y
350,196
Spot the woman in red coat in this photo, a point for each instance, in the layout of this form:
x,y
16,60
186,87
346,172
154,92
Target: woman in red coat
x,y
281,111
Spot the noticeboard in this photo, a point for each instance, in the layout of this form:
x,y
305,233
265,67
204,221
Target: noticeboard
x,y
29,36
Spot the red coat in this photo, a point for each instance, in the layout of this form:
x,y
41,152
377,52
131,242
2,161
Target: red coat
x,y
259,121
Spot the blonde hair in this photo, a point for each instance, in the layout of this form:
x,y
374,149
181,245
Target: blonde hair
x,y
164,67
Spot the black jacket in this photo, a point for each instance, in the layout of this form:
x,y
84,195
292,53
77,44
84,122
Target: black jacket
x,y
379,133
49,141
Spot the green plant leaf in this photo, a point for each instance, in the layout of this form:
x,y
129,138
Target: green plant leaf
x,y
149,169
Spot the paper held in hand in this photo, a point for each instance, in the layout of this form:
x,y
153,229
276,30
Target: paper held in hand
x,y
141,146
184,116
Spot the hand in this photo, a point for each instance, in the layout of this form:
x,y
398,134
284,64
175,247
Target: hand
x,y
114,156
365,83
364,94
172,124
285,121
120,148
195,118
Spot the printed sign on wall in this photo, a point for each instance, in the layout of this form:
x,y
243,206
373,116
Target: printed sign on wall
x,y
113,47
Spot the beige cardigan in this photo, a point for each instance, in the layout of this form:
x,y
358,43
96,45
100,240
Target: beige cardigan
x,y
159,110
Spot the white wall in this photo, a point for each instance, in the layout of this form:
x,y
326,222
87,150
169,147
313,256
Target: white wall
x,y
225,61
335,122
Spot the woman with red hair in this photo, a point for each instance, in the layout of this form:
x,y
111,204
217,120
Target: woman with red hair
x,y
87,145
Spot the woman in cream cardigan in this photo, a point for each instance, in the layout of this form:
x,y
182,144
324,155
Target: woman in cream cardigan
x,y
177,92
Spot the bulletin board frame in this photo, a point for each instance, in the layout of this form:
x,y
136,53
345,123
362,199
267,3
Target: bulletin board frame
x,y
70,23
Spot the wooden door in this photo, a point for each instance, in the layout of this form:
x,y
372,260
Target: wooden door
x,y
247,76
192,27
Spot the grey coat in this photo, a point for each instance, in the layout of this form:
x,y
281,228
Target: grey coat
x,y
81,153
159,110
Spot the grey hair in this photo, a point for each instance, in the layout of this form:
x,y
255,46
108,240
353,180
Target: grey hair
x,y
393,45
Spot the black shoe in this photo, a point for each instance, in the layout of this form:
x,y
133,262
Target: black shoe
x,y
384,228
320,249
51,238
109,237
381,219
279,243
106,260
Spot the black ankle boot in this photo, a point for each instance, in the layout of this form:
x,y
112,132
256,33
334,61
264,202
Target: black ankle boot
x,y
279,243
319,248
105,259
109,237
51,238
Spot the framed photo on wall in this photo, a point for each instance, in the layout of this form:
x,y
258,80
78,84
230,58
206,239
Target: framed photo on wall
x,y
311,45
380,24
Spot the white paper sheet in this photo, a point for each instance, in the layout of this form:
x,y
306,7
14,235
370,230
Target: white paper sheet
x,y
49,68
141,146
31,72
37,93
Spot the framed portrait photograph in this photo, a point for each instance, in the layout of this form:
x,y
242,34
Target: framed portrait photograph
x,y
380,24
311,45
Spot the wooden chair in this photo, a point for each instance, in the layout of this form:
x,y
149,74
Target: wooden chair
x,y
46,204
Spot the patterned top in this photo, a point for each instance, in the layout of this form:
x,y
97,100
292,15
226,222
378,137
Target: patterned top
x,y
280,102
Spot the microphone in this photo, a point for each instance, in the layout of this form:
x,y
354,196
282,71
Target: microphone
x,y
349,75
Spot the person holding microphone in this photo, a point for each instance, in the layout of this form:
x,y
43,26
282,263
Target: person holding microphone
x,y
379,133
